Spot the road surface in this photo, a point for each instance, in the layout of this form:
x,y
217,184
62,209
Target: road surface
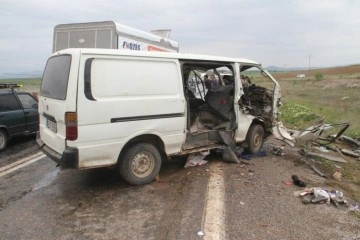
x,y
214,201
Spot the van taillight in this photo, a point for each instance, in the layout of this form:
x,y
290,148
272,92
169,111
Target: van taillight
x,y
71,126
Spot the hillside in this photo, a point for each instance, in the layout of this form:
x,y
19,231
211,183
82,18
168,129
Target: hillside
x,y
352,71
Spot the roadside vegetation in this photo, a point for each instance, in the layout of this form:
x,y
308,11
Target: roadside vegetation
x,y
331,95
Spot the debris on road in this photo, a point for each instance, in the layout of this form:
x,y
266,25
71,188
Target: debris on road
x,y
297,181
229,156
350,140
196,159
320,155
350,153
200,233
354,207
337,176
320,195
318,171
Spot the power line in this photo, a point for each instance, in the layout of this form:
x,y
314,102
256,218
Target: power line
x,y
309,56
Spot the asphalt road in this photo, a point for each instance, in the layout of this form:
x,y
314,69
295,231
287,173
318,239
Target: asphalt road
x,y
214,201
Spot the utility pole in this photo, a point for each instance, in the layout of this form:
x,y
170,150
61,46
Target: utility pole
x,y
309,56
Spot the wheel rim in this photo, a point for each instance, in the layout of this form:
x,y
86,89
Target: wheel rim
x,y
143,164
2,140
258,140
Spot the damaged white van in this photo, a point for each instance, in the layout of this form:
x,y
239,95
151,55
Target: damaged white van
x,y
103,107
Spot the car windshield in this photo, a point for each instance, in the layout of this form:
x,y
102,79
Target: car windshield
x,y
56,76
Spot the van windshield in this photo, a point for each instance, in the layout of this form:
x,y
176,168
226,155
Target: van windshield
x,y
56,76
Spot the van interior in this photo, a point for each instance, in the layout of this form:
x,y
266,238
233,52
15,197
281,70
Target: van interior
x,y
211,115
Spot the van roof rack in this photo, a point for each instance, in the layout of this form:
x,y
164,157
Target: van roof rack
x,y
9,85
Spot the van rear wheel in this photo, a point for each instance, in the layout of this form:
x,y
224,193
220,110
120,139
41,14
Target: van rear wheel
x,y
255,138
140,164
3,140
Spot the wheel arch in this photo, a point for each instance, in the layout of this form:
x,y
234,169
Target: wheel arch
x,y
146,138
5,130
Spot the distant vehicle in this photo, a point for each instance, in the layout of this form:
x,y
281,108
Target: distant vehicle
x,y
18,113
300,76
111,35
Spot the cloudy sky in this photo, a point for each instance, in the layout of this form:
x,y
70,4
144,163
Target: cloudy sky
x,y
274,32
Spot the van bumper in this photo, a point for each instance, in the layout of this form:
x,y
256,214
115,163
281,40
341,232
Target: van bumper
x,y
68,159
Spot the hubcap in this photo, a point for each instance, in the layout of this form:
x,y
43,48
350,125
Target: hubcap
x,y
257,140
143,164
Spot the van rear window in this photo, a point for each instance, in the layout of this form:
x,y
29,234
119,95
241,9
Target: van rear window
x,y
56,77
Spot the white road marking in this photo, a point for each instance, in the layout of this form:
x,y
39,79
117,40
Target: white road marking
x,y
214,219
21,163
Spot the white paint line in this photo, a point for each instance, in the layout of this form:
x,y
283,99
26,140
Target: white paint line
x,y
21,161
21,165
214,220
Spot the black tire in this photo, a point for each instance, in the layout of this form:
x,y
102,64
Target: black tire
x,y
3,140
255,138
140,164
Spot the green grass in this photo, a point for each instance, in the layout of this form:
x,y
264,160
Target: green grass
x,y
306,101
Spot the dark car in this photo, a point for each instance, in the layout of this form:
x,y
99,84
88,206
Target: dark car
x,y
18,114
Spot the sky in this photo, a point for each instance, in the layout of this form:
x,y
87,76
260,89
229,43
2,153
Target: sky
x,y
279,33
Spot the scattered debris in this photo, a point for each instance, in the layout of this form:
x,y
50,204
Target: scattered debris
x,y
319,195
278,151
354,207
335,149
228,155
350,140
321,149
297,181
315,134
196,159
337,176
325,156
318,172
350,153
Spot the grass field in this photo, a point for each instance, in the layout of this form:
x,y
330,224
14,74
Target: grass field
x,y
334,98
28,84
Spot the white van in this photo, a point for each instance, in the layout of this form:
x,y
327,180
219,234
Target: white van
x,y
104,107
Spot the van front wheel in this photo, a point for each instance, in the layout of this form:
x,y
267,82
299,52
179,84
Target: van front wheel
x,y
255,138
140,164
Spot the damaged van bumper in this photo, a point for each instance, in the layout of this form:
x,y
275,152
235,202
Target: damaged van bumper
x,y
68,159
